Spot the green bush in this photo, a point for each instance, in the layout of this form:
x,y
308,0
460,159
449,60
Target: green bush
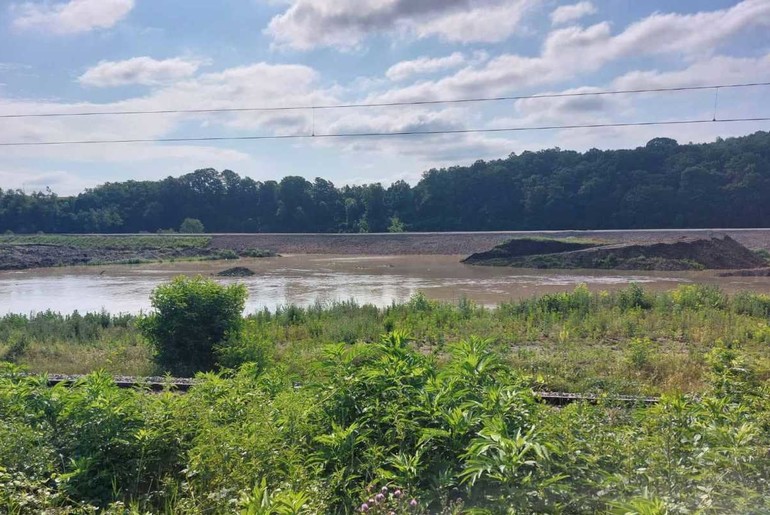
x,y
248,345
753,304
191,226
192,317
634,296
698,296
226,254
257,253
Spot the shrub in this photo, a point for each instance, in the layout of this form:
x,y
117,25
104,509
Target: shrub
x,y
634,297
698,296
248,346
750,303
257,253
640,352
191,226
192,316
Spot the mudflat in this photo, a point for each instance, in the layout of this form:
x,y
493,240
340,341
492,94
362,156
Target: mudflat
x,y
42,251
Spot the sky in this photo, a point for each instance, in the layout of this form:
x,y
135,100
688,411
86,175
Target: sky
x,y
60,56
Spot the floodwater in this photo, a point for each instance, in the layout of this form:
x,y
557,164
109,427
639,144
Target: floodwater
x,y
307,279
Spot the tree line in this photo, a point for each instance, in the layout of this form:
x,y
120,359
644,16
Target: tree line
x,y
660,185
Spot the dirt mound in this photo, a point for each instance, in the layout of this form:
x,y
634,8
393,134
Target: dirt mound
x,y
684,254
236,271
519,247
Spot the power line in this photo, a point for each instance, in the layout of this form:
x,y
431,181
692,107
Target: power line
x,y
383,134
384,104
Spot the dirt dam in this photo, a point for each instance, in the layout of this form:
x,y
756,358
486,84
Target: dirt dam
x,y
460,243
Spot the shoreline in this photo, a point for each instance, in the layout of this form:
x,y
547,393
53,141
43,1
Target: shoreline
x,y
116,248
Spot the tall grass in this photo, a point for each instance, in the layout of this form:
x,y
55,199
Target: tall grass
x,y
573,341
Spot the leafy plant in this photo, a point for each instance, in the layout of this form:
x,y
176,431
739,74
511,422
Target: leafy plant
x,y
192,317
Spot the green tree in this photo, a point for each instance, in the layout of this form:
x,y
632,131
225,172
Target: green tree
x,y
191,225
192,317
375,214
396,225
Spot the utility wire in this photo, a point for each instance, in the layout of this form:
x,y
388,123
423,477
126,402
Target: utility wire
x,y
384,104
383,134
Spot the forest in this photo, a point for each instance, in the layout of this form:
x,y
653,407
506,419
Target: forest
x,y
661,185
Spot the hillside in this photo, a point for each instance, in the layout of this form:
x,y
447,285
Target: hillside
x,y
660,185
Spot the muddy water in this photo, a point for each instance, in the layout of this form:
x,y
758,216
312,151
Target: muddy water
x,y
306,279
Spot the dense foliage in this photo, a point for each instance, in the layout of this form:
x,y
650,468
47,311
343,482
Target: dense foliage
x,y
320,412
381,424
191,226
191,318
663,184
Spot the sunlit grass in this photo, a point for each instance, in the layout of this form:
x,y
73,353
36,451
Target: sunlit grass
x,y
632,341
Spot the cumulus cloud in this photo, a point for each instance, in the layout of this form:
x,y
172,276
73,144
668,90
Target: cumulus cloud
x,y
568,13
573,51
259,85
70,17
307,24
139,70
423,65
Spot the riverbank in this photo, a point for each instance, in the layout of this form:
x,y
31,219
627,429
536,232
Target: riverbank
x,y
47,251
40,251
460,243
629,341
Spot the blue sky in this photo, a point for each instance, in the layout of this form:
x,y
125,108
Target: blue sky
x,y
92,55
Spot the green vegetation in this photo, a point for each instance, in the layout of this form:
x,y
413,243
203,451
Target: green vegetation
x,y
191,226
21,252
329,408
382,424
719,184
396,225
579,341
257,253
109,242
192,317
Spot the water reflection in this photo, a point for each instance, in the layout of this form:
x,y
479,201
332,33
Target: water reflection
x,y
306,279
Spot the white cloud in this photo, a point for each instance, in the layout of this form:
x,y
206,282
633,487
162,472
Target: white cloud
x,y
139,70
70,17
711,71
568,13
30,180
485,23
308,24
573,51
259,84
423,65
432,150
695,105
